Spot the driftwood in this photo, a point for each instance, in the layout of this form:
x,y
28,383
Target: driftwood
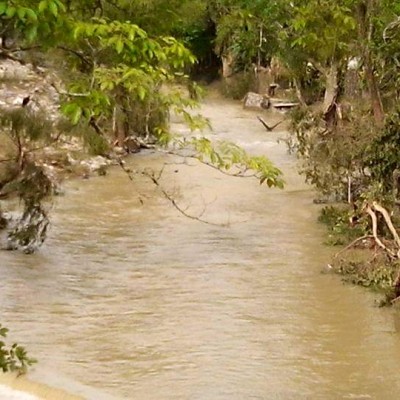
x,y
371,212
269,128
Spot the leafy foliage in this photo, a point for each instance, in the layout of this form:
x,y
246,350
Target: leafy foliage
x,y
33,19
14,358
247,30
382,157
340,231
227,156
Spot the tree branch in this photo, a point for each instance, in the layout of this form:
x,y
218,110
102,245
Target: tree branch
x,y
375,232
76,53
388,221
156,181
240,174
352,244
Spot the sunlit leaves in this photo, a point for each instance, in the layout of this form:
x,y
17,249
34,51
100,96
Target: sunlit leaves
x,y
128,66
227,156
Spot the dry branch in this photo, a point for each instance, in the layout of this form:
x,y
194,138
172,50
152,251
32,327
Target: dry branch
x,y
374,220
388,221
352,244
155,179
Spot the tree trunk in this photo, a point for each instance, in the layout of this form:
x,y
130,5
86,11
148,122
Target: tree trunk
x,y
119,126
365,11
330,106
299,93
374,94
331,88
227,65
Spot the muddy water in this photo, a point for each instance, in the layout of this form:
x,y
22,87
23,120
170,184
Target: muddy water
x,y
131,300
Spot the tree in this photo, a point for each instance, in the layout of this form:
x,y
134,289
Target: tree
x,y
322,32
247,32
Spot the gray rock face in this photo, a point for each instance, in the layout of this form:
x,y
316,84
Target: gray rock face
x,y
255,100
19,82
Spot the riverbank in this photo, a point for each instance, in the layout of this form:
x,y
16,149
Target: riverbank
x,y
21,388
362,260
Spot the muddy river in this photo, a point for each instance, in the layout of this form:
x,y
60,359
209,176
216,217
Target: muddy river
x,y
128,299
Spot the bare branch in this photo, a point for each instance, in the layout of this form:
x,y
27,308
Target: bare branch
x,y
374,219
388,221
77,54
7,54
155,179
177,206
352,244
69,94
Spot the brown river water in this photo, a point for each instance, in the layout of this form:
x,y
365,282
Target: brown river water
x,y
134,301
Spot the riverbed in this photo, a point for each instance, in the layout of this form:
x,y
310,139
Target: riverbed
x,y
129,299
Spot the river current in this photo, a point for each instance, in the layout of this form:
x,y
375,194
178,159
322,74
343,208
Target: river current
x,y
128,299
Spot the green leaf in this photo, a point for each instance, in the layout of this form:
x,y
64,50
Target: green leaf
x,y
21,12
31,33
76,115
3,332
3,7
42,6
10,12
53,9
141,92
119,46
60,5
31,15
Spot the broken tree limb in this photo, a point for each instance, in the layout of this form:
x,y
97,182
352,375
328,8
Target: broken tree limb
x,y
388,221
374,220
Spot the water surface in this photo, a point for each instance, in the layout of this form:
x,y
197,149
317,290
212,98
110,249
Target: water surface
x,y
134,301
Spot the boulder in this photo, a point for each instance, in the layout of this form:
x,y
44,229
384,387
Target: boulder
x,y
255,100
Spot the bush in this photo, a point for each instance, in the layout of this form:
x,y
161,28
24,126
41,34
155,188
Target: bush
x,y
341,231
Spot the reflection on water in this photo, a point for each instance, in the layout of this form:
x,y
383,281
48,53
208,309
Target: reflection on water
x,y
135,301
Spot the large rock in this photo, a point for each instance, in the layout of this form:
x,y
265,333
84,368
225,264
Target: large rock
x,y
255,100
96,163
